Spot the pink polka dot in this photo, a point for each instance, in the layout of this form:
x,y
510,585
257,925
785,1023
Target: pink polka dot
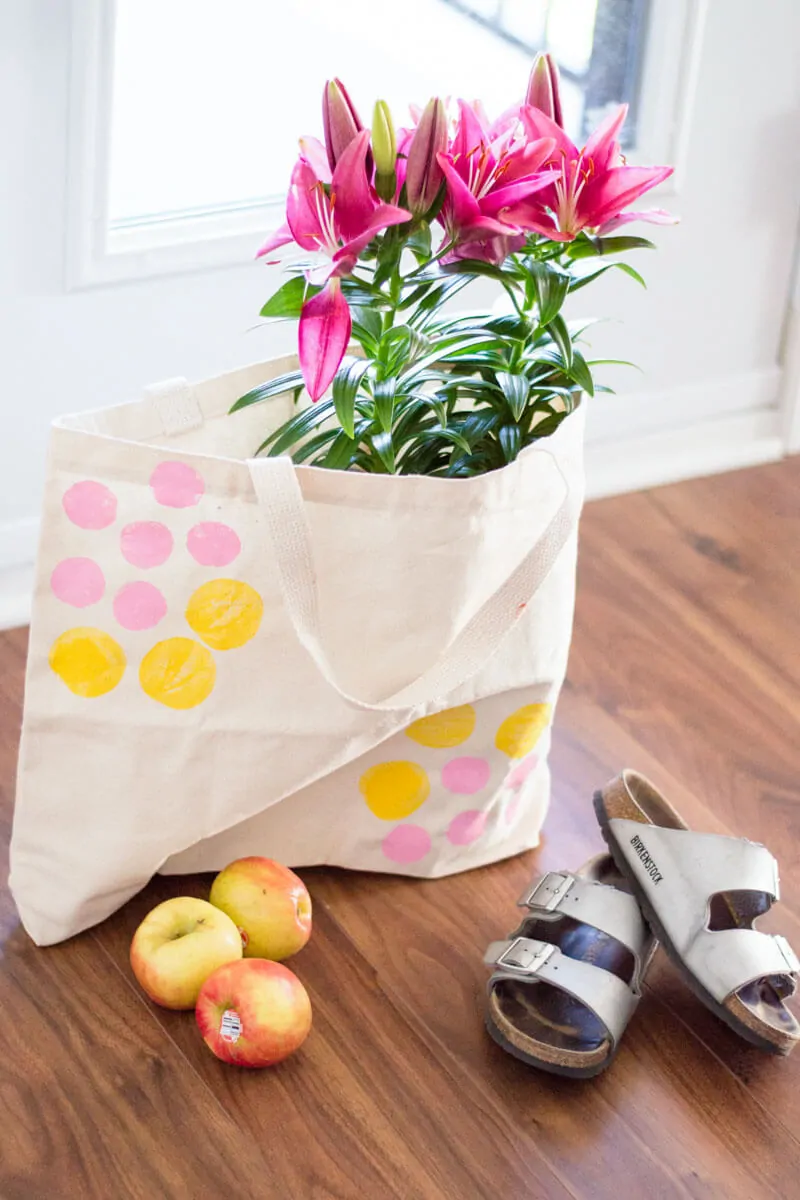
x,y
176,485
146,543
90,505
139,606
466,827
465,776
78,581
406,844
212,544
516,778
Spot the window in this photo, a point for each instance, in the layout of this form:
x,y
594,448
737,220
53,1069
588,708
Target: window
x,y
186,113
209,99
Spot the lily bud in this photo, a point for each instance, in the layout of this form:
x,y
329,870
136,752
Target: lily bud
x,y
340,120
384,151
544,88
424,176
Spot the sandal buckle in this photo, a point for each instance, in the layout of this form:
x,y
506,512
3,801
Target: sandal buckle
x,y
547,892
521,955
790,958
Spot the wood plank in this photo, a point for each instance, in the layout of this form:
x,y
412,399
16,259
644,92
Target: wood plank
x,y
684,665
374,1114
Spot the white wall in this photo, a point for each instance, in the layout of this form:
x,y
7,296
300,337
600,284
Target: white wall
x,y
707,333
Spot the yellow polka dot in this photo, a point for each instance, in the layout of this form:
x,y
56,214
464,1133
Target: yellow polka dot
x,y
88,661
444,729
225,613
178,672
520,732
395,790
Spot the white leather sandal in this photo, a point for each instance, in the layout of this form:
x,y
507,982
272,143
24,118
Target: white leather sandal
x,y
701,894
567,981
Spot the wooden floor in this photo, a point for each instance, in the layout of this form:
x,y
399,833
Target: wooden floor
x,y
686,665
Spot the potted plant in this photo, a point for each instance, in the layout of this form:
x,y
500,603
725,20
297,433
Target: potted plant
x,y
399,223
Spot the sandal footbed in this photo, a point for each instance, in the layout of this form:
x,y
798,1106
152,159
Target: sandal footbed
x,y
544,1026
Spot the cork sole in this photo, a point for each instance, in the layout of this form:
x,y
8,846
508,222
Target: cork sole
x,y
732,1011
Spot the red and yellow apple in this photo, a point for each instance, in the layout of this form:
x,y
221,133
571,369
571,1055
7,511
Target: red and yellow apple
x,y
253,1013
178,945
268,902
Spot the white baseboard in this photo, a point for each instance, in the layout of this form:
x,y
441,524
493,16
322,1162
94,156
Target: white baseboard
x,y
634,442
672,455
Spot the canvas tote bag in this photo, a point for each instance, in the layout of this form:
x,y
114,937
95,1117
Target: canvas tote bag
x,y
233,655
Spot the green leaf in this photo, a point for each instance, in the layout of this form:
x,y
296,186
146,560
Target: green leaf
x,y
510,439
382,445
367,328
581,281
289,298
384,393
580,372
340,455
346,383
297,428
588,246
419,242
515,388
551,287
266,391
557,329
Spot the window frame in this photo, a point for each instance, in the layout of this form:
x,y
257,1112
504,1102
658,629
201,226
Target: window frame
x,y
226,236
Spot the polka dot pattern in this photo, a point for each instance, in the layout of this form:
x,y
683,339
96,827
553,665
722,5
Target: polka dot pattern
x,y
146,543
406,844
178,672
466,776
88,661
90,505
466,828
78,581
176,485
212,544
395,790
520,732
139,606
225,613
444,729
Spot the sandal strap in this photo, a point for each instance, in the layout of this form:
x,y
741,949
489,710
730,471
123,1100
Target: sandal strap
x,y
725,960
693,866
597,904
527,960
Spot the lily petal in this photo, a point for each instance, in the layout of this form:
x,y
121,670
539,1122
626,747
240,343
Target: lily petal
x,y
303,206
602,147
324,332
469,139
315,154
655,216
605,196
507,197
281,237
538,125
351,196
464,211
382,217
527,161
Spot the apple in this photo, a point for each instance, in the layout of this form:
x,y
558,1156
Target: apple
x,y
178,945
268,902
253,1013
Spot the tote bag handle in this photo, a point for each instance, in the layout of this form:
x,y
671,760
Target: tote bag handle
x,y
278,490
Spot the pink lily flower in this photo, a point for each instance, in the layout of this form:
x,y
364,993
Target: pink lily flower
x,y
339,221
592,186
487,178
